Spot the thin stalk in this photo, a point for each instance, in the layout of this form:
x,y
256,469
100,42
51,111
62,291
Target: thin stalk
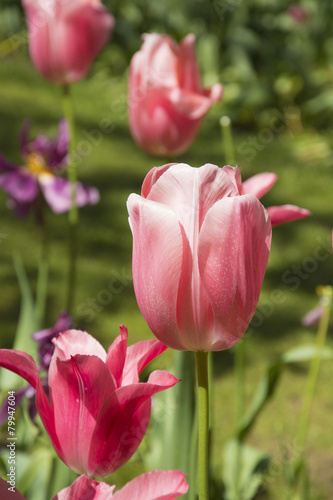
x,y
228,144
203,400
192,492
73,216
313,373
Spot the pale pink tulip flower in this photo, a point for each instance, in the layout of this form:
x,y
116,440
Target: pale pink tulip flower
x,y
166,99
260,184
154,485
98,410
200,250
65,36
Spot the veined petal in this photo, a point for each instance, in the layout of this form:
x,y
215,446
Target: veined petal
x,y
85,488
79,389
57,193
286,213
157,260
259,184
123,421
154,485
139,355
234,246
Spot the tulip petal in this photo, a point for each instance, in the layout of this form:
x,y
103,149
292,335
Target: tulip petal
x,y
85,488
154,485
78,390
116,356
139,355
286,213
12,494
152,177
57,193
122,423
234,246
259,184
188,65
156,272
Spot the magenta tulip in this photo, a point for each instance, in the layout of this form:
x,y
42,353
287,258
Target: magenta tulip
x,y
166,100
200,250
66,36
98,411
260,184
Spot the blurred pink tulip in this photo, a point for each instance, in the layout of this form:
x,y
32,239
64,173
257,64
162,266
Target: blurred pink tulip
x,y
200,250
260,184
98,411
155,485
66,36
166,100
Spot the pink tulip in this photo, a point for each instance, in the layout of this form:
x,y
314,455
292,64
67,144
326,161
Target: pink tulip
x,y
66,36
166,100
260,184
155,485
200,250
98,411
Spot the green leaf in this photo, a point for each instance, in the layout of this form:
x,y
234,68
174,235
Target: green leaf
x,y
264,392
306,353
243,471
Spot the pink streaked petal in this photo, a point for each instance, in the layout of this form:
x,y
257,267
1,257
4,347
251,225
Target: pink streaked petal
x,y
188,65
259,184
139,355
85,488
79,389
69,344
160,60
286,213
194,106
154,485
20,363
152,177
156,273
122,423
234,246
116,356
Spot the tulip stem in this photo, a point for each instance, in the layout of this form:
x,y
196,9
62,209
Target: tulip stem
x,y
203,399
73,216
327,293
228,143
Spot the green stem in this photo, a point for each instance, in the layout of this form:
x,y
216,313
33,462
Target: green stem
x,y
192,492
73,216
313,374
228,144
203,400
41,293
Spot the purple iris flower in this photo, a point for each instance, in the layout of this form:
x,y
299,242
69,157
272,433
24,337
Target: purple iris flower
x,y
44,160
45,351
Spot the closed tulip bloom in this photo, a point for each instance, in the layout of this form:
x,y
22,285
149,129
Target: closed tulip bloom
x,y
66,36
166,100
200,250
98,410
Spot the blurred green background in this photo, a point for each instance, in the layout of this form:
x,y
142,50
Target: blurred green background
x,y
277,73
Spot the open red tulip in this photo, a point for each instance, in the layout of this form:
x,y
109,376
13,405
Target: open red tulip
x,y
98,411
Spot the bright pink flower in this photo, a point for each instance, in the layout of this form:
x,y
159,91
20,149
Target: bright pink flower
x,y
258,185
155,485
166,100
200,250
66,36
98,411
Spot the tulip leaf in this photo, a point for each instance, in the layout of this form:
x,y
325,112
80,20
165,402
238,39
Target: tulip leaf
x,y
264,392
243,471
306,353
26,323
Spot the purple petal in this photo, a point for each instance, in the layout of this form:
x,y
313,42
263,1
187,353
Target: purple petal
x,y
312,318
57,192
7,166
21,186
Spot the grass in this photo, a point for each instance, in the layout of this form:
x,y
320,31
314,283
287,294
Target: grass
x,y
111,161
